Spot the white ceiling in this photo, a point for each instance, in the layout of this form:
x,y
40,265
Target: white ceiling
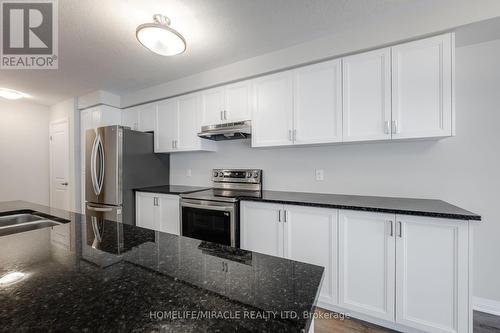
x,y
98,49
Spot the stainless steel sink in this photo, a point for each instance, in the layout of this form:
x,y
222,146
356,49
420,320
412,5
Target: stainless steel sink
x,y
12,224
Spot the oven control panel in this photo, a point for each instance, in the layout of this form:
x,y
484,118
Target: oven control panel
x,y
237,175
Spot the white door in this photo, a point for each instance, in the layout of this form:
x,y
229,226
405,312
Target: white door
x,y
422,77
167,122
273,110
367,263
237,102
310,235
212,105
146,117
169,213
317,104
189,122
146,210
59,165
261,230
432,274
367,96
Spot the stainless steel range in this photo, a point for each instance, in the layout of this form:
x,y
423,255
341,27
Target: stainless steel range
x,y
213,215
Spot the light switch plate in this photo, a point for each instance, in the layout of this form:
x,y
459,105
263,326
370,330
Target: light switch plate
x,y
320,175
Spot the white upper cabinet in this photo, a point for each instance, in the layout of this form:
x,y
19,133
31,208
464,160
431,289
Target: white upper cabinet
x,y
141,118
178,121
272,116
130,118
166,131
432,274
367,96
317,107
237,102
366,263
225,104
212,106
189,122
422,88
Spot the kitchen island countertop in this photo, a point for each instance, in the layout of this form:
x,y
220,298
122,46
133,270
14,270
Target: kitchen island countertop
x,y
101,276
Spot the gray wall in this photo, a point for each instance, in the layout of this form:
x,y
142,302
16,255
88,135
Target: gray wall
x,y
462,170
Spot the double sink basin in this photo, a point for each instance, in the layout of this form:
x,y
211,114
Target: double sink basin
x,y
26,221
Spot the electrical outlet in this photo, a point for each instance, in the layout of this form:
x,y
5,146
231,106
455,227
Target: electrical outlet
x,y
320,175
188,173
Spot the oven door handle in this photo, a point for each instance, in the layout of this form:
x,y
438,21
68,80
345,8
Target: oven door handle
x,y
225,208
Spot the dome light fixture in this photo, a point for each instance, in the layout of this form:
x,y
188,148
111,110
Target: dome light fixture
x,y
160,38
11,94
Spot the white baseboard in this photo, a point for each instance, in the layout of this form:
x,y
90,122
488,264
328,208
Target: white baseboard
x,y
486,305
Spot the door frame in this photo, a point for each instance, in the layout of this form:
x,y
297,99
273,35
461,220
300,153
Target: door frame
x,y
51,167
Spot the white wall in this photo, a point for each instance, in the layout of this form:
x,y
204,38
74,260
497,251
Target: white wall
x,y
68,110
462,170
24,151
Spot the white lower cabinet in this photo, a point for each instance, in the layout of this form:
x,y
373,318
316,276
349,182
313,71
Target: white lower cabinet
x,y
296,232
432,267
404,272
158,211
366,263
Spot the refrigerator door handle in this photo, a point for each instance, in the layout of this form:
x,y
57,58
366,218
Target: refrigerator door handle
x,y
97,171
93,177
100,209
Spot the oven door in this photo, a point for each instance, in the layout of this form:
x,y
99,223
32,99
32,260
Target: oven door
x,y
211,221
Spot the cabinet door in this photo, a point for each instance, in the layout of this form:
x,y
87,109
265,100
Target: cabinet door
x,y
272,113
261,230
432,274
237,102
130,118
189,123
146,117
166,132
422,78
367,263
367,96
169,213
147,214
317,104
106,116
311,236
212,105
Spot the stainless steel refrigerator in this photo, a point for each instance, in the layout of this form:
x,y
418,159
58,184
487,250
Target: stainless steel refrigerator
x,y
118,160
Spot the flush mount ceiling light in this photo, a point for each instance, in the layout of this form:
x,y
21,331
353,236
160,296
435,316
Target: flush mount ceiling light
x,y
160,38
11,278
10,94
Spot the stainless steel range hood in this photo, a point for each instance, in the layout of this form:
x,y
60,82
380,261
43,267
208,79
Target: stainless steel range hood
x,y
229,131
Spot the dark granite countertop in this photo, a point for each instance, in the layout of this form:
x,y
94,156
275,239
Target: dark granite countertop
x,y
407,206
102,276
171,189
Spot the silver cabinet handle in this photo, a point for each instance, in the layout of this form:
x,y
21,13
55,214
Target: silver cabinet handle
x,y
286,216
225,115
387,129
290,135
392,228
222,115
395,129
279,215
294,135
173,144
400,229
